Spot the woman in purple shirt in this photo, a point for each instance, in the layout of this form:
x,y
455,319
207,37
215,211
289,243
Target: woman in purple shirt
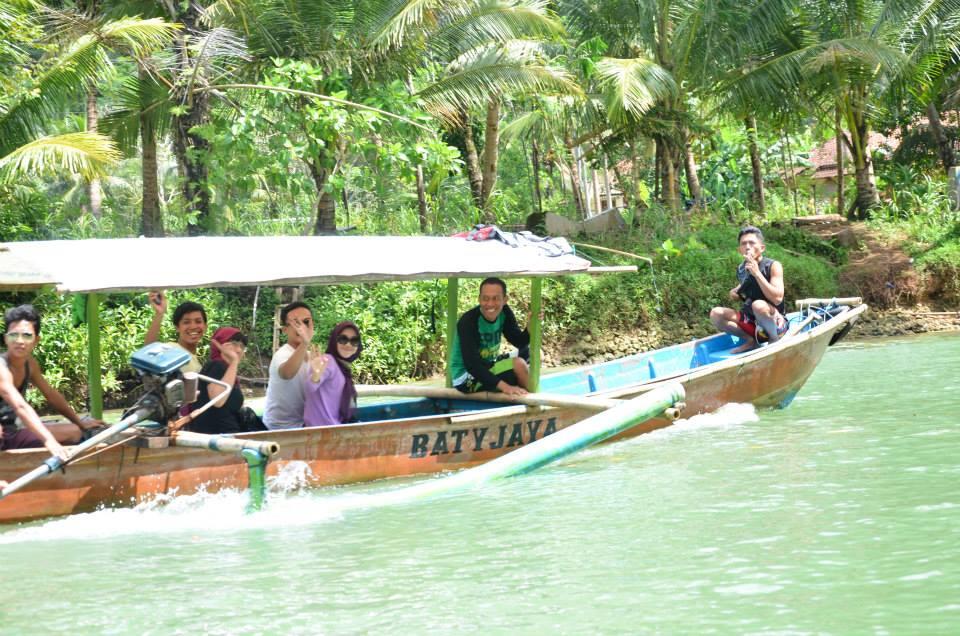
x,y
330,395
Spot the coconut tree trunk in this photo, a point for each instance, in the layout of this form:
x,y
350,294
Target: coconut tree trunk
x,y
575,186
474,175
841,169
151,220
670,187
94,192
326,222
491,144
421,201
947,158
867,196
690,166
535,162
759,200
190,148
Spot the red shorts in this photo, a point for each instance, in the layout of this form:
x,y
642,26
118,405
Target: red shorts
x,y
750,327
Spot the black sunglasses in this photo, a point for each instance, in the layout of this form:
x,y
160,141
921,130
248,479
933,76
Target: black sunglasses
x,y
344,340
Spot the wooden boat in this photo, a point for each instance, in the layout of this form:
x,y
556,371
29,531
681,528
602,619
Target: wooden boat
x,y
425,430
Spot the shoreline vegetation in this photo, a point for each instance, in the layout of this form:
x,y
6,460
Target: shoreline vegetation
x,y
588,319
405,118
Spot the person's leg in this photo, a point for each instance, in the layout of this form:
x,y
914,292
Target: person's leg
x,y
21,438
769,319
727,320
732,322
522,371
65,432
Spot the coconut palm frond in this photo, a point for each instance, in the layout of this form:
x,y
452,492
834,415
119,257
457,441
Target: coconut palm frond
x,y
497,22
475,83
631,87
529,123
137,35
86,154
399,18
139,101
854,56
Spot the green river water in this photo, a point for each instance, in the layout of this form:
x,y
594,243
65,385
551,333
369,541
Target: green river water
x,y
838,515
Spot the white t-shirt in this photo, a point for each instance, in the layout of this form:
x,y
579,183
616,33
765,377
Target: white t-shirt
x,y
284,408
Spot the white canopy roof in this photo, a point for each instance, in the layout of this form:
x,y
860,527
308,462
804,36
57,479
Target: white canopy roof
x,y
113,265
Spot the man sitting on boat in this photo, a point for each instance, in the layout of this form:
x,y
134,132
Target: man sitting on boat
x,y
289,369
476,363
190,321
19,369
761,317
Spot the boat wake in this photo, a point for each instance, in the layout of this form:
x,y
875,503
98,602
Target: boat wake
x,y
727,416
289,503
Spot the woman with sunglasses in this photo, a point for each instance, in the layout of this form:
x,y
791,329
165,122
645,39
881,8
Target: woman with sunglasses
x,y
330,395
21,336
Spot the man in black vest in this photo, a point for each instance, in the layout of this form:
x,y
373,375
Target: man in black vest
x,y
761,290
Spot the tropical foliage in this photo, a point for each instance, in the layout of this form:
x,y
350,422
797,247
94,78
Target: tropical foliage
x,y
420,116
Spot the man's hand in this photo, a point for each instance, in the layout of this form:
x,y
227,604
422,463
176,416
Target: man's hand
x,y
158,300
57,450
229,353
509,389
304,332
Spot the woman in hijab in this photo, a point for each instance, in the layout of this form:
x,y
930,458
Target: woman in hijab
x,y
330,395
227,348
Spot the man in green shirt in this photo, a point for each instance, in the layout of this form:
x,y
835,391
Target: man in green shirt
x,y
475,362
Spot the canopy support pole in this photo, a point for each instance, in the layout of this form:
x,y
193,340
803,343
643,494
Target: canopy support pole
x,y
453,295
94,385
536,333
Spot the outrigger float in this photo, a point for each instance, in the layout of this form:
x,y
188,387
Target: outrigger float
x,y
424,429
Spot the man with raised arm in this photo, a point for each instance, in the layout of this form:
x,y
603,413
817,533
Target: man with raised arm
x,y
289,368
760,287
190,321
475,362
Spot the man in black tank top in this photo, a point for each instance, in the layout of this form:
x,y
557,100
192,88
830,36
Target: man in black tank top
x,y
760,287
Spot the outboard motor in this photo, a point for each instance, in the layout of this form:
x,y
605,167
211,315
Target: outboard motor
x,y
166,388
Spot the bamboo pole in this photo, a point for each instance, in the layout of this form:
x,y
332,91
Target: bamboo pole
x,y
536,333
453,289
530,399
646,259
821,302
94,384
548,449
222,444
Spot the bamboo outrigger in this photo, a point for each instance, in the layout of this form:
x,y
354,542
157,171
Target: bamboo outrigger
x,y
431,430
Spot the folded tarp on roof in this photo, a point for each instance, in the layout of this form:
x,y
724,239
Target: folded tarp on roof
x,y
105,265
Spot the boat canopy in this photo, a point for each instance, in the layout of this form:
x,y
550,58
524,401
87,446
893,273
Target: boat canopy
x,y
139,264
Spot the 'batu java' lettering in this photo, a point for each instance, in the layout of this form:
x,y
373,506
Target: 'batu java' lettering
x,y
476,439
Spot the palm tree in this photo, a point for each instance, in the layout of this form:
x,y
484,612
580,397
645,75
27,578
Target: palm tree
x,y
24,146
850,53
486,50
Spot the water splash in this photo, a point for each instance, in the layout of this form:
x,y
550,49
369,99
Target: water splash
x,y
289,503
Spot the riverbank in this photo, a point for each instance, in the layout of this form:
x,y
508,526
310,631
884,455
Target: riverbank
x,y
874,323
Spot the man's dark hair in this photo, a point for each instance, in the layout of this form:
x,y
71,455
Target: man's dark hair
x,y
493,280
750,229
22,312
297,304
187,308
